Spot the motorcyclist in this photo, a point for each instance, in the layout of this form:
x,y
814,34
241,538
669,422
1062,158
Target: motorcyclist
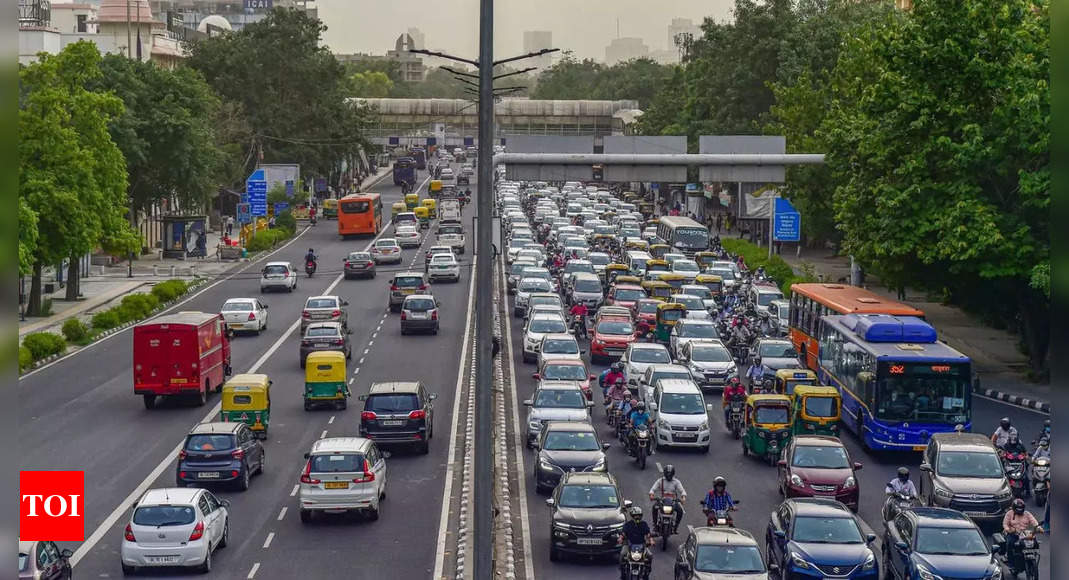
x,y
667,484
311,256
902,484
638,416
628,406
635,532
1045,432
616,382
604,384
731,388
718,497
754,374
579,313
1017,521
1014,446
1002,434
740,334
1042,449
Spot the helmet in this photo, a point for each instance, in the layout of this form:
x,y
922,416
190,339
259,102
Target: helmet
x,y
1046,423
669,472
640,406
903,473
1044,442
1005,423
720,482
636,513
1018,506
311,251
618,366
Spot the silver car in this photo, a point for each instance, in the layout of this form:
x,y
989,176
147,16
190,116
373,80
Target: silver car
x,y
278,276
525,288
342,474
586,289
324,309
689,329
555,401
386,251
710,362
175,526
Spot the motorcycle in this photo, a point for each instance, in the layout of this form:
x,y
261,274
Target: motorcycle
x,y
664,524
637,564
721,518
895,503
310,268
1014,464
312,220
1022,556
642,444
1041,479
579,324
622,428
735,422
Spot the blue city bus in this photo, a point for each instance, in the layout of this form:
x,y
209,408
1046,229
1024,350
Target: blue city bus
x,y
420,154
898,382
404,171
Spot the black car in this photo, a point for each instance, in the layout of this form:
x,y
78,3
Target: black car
x,y
718,551
359,265
567,447
588,516
398,412
930,541
216,452
325,336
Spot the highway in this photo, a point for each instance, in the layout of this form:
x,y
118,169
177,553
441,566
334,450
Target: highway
x,y
81,414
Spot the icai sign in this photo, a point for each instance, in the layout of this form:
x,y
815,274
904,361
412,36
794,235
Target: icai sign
x,y
259,4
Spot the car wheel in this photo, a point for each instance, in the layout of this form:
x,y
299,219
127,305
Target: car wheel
x,y
435,331
306,516
403,331
150,401
206,566
554,554
226,535
128,570
307,406
243,483
263,462
374,513
705,449
425,447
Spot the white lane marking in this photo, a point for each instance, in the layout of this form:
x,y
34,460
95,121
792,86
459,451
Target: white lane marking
x,y
443,518
323,434
371,343
252,573
293,492
351,381
331,420
658,464
1009,404
373,335
120,509
356,371
362,359
267,542
528,560
282,513
366,350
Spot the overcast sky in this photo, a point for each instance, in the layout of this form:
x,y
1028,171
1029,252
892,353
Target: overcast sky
x,y
583,26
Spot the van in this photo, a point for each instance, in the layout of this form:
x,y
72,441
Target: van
x,y
680,414
183,354
762,295
636,262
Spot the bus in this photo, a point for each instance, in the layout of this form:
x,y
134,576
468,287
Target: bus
x,y
809,302
420,155
404,171
899,384
683,234
359,213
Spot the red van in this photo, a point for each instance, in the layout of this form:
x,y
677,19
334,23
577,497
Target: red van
x,y
185,354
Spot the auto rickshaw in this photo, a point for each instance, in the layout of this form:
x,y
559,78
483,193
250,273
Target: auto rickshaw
x,y
787,379
432,208
247,399
704,259
411,201
768,426
325,380
330,208
614,270
816,410
714,283
628,279
435,187
637,245
397,207
602,242
657,290
423,214
667,315
674,280
659,250
655,265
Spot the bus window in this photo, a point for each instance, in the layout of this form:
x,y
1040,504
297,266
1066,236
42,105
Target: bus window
x,y
355,206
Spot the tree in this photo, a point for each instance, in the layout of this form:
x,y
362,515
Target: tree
x,y
637,79
370,84
27,236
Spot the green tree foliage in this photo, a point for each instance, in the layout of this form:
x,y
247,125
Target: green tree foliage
x,y
370,84
638,79
27,237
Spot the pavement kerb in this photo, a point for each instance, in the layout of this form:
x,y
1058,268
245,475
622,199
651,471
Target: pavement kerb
x,y
1013,399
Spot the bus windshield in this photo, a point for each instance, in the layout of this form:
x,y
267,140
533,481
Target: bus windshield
x,y
923,391
692,238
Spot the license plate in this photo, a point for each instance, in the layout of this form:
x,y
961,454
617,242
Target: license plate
x,y
321,345
685,437
162,559
408,291
392,423
178,380
236,325
336,485
919,447
441,267
208,475
588,541
975,514
419,315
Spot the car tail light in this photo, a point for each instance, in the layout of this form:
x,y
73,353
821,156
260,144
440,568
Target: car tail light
x,y
404,315
306,314
394,287
252,316
198,532
335,314
339,342
306,477
129,534
238,454
417,414
369,263
422,286
347,263
434,314
286,275
182,454
368,476
368,416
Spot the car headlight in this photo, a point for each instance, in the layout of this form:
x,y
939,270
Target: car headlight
x,y
663,424
546,465
996,572
599,466
850,482
926,574
943,492
535,424
799,561
1004,494
870,561
797,481
704,426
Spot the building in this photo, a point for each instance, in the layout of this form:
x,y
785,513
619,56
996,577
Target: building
x,y
234,11
534,41
411,65
419,40
668,56
681,28
625,49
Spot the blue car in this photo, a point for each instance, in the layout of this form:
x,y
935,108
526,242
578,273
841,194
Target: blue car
x,y
926,543
819,538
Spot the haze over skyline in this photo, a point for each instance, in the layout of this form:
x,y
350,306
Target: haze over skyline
x,y
585,26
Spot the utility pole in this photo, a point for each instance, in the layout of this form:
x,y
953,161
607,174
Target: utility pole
x,y
129,40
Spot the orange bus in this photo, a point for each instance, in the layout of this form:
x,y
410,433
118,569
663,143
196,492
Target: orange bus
x,y
809,302
360,213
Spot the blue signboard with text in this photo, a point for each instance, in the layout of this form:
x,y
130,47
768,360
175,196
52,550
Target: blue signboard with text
x,y
786,223
256,188
244,214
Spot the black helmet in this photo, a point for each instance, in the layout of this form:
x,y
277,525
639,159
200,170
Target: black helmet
x,y
669,472
311,251
903,473
636,513
1018,506
720,481
1005,422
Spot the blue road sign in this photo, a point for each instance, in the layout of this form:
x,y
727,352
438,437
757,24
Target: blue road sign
x,y
244,213
469,141
256,187
244,198
431,141
281,206
289,187
787,222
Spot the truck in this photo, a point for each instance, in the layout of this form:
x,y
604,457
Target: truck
x,y
186,354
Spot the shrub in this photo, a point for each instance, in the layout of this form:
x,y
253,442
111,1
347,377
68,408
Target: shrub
x,y
137,306
286,221
168,290
268,239
75,330
42,344
25,358
776,267
106,319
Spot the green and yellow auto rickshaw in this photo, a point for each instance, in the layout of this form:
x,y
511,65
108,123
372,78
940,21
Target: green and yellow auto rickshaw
x,y
676,281
704,259
787,379
246,399
768,426
667,315
324,380
714,283
657,290
612,271
397,207
816,410
411,201
330,208
659,250
654,266
432,208
423,215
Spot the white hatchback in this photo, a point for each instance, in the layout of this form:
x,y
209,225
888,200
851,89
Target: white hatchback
x,y
342,474
278,276
408,237
175,527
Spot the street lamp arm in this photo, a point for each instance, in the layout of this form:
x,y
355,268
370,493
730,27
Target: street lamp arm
x,y
528,55
459,72
444,55
518,72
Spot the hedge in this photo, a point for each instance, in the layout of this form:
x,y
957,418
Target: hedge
x,y
756,256
267,239
44,344
75,330
105,319
25,358
168,290
137,306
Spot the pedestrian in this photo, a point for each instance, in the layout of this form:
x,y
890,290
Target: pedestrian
x,y
229,225
901,292
719,221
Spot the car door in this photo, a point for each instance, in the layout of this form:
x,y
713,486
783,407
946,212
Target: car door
x,y
379,468
780,521
925,490
208,517
901,531
218,516
261,313
785,470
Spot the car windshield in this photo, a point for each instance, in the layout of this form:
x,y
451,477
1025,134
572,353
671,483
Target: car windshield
x,y
685,266
648,307
560,399
517,243
392,403
408,281
968,464
519,267
725,273
588,496
699,291
321,303
698,331
615,327
710,353
668,375
825,530
629,295
551,300
359,257
442,260
728,559
588,285
770,414
547,325
950,542
560,346
820,406
571,441
164,515
337,463
451,230
535,285
386,244
558,372
777,350
237,307
321,331
826,457
691,302
419,304
650,355
275,270
682,404
209,442
599,259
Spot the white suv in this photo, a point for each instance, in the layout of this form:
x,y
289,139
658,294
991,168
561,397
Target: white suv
x,y
680,414
175,527
343,474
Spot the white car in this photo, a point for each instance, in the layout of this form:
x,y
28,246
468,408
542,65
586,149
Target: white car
x,y
342,474
640,355
245,314
451,234
408,237
524,288
710,362
688,330
278,276
538,326
695,306
386,251
680,415
559,346
688,268
443,266
175,526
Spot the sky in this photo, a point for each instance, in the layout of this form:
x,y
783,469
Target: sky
x,y
582,26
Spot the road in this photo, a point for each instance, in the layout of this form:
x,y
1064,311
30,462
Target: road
x,y
81,414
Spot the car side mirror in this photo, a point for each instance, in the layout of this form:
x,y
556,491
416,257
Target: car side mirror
x,y
344,302
362,397
550,502
266,307
307,455
857,466
901,546
528,403
605,446
591,377
348,331
536,376
432,396
590,404
870,538
997,541
778,533
772,567
387,455
653,406
224,502
926,467
66,553
782,463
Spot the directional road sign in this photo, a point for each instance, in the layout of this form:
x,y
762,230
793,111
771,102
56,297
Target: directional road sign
x,y
244,213
256,187
786,223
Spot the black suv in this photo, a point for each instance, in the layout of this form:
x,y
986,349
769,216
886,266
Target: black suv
x,y
588,515
216,452
398,412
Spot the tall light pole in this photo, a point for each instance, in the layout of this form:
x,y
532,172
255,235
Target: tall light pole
x,y
129,39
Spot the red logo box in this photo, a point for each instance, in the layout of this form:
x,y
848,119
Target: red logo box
x,y
52,506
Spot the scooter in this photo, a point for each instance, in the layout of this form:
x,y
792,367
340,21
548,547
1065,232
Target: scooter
x,y
1023,556
310,268
1014,464
895,503
1041,479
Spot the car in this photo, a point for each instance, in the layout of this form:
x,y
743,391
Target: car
x,y
533,255
543,308
588,515
342,474
515,272
719,553
567,369
278,276
774,354
567,446
585,289
701,292
963,471
324,309
175,527
524,288
639,355
419,312
930,542
359,265
710,363
325,336
558,345
672,257
679,413
819,537
399,412
690,329
406,284
626,295
536,328
43,560
688,268
780,309
219,452
405,219
728,272
818,466
610,337
695,306
444,266
434,251
244,314
408,237
654,373
645,311
536,299
386,251
555,400
451,234
762,295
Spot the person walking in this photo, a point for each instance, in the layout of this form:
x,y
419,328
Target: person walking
x,y
229,225
719,221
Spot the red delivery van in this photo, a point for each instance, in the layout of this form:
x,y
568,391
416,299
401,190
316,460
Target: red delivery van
x,y
187,354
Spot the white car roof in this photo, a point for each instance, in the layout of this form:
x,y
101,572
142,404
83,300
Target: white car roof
x,y
341,444
169,496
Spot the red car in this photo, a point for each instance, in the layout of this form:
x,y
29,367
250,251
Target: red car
x,y
610,338
625,295
818,466
646,313
565,369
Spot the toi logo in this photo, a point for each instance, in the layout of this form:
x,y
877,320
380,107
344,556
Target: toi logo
x,y
52,506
